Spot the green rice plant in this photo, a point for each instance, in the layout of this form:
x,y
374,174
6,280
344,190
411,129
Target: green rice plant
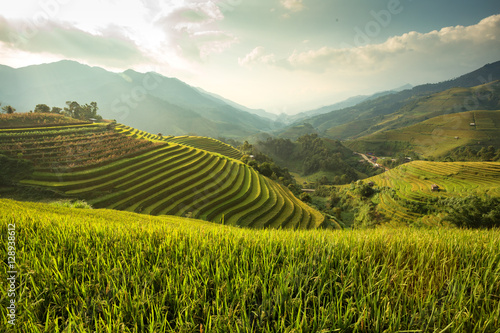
x,y
136,190
206,193
208,144
100,174
255,219
191,189
241,218
110,271
233,197
168,196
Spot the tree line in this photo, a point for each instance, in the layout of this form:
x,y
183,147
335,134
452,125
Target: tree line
x,y
489,153
73,110
311,154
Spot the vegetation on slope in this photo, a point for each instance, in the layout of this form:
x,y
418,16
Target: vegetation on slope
x,y
413,105
436,137
127,169
405,195
101,270
13,170
208,144
24,120
455,100
70,147
326,160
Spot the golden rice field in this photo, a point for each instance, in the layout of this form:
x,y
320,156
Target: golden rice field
x,y
122,168
82,270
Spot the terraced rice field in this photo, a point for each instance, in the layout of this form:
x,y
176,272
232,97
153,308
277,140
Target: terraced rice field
x,y
207,144
127,169
135,133
411,183
73,147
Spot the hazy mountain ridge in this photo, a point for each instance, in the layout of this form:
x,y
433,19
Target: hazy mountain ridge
x,y
355,120
148,101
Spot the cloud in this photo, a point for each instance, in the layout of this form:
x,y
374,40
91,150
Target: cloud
x,y
462,44
293,5
69,42
191,29
257,56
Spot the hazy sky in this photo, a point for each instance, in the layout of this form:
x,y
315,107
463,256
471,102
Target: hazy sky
x,y
279,55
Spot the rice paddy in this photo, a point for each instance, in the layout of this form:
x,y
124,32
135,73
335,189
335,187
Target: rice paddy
x,y
122,168
82,270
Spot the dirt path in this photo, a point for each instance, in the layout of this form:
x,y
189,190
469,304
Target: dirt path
x,y
370,161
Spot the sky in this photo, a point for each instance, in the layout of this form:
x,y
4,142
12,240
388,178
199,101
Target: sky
x,y
278,55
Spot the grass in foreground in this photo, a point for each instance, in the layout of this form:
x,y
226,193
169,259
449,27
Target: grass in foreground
x,y
108,271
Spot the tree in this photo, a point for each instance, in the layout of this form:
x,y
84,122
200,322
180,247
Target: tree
x,y
323,180
82,112
305,197
246,148
42,108
364,190
473,211
56,110
72,109
265,169
8,109
487,154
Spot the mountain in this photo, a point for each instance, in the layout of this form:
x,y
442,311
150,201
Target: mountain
x,y
259,112
437,136
455,100
364,118
352,101
148,101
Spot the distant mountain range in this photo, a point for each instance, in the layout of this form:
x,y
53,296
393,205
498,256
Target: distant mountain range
x,y
158,104
148,101
337,106
404,108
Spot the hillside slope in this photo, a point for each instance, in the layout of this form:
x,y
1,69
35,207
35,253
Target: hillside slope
x,y
352,101
455,100
111,169
437,136
405,195
363,118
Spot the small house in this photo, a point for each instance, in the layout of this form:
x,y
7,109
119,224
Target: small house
x,y
435,188
472,124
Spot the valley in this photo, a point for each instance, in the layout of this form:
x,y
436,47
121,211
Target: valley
x,y
193,213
